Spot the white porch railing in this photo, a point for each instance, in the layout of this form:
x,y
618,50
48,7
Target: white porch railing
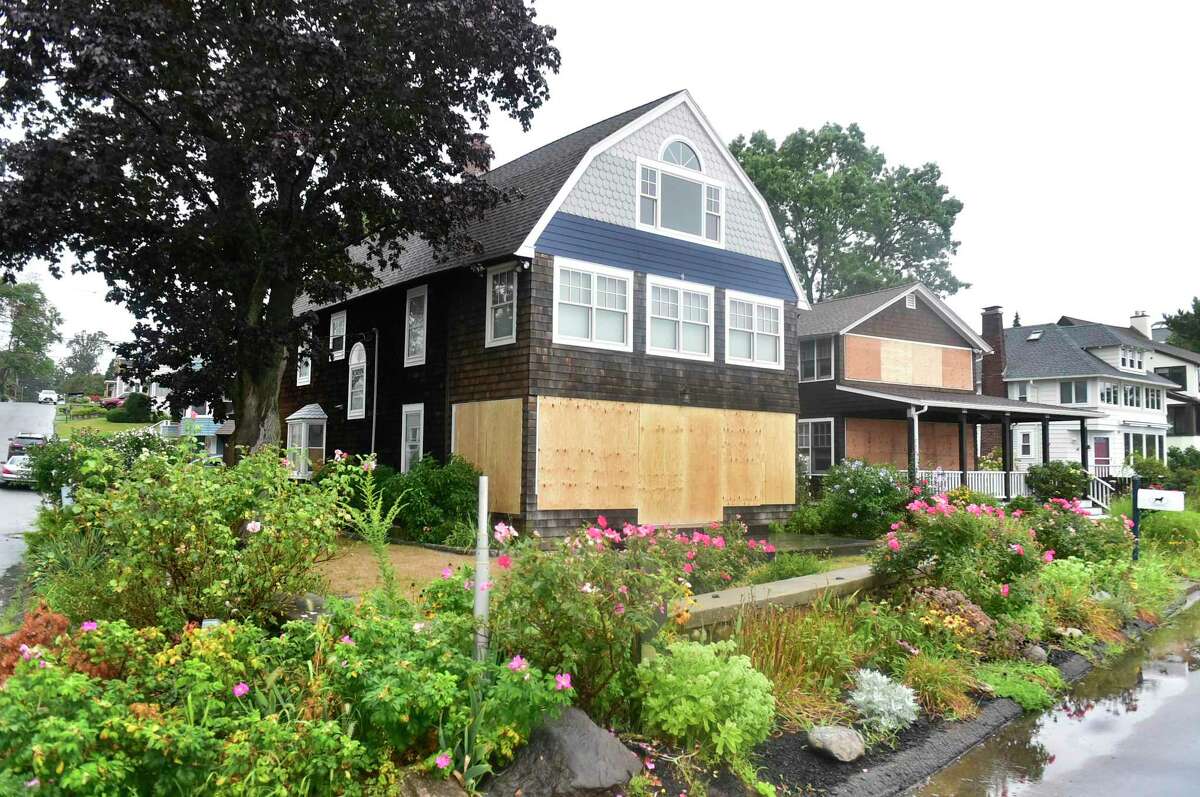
x,y
991,482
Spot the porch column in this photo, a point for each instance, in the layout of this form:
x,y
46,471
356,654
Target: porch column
x,y
1045,439
912,445
1006,453
962,446
1083,444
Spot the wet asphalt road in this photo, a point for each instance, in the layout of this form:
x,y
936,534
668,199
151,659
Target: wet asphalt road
x,y
18,505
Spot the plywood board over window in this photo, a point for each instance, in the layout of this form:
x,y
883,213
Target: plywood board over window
x,y
488,435
885,442
907,362
673,464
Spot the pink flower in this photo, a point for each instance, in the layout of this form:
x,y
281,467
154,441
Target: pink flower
x,y
895,527
504,561
719,543
369,465
447,572
1018,549
619,609
26,652
442,761
1018,512
468,585
254,527
518,664
241,689
726,577
1004,590
587,588
975,509
624,590
689,567
504,532
768,547
487,585
346,640
562,681
893,543
916,491
648,763
690,555
88,625
338,455
602,521
752,543
594,534
714,525
1048,555
32,783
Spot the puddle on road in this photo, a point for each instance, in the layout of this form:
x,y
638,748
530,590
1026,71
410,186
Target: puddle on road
x,y
1099,713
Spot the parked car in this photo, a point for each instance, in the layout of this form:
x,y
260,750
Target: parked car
x,y
16,471
23,441
47,397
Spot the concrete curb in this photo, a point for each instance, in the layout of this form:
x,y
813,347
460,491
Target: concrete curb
x,y
711,608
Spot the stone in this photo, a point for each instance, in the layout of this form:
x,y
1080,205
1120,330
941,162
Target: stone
x,y
420,784
837,742
568,757
1034,654
1070,633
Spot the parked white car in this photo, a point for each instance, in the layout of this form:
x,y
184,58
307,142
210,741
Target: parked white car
x,y
47,397
16,470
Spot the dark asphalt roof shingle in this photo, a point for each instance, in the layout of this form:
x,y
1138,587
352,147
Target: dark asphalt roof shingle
x,y
535,178
833,315
1063,351
1132,337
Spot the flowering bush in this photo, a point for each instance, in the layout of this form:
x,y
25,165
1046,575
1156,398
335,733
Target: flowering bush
x,y
707,696
177,541
1057,480
95,460
1063,527
862,500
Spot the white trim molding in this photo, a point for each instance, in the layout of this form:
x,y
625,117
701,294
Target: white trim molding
x,y
833,342
407,410
419,292
340,352
594,270
490,338
689,175
653,281
356,363
757,302
832,442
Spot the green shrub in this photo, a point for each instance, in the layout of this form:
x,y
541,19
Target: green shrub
x,y
138,408
1151,470
435,497
1068,531
1024,504
809,518
858,499
964,496
707,696
96,461
117,415
941,686
1171,528
786,565
1032,686
1057,480
181,541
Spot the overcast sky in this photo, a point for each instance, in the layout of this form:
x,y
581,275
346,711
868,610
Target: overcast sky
x,y
1068,130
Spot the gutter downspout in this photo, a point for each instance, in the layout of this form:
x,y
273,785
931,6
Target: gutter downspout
x,y
914,455
375,389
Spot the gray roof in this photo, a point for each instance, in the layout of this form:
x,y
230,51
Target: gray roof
x,y
968,401
1186,355
1064,351
833,315
1131,337
535,178
309,412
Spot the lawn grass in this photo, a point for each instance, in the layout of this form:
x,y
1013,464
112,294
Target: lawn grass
x,y
353,570
101,425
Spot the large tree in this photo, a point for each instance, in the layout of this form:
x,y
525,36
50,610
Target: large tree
x,y
851,222
1185,326
28,328
84,350
214,160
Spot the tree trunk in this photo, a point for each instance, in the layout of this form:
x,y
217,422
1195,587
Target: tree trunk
x,y
256,408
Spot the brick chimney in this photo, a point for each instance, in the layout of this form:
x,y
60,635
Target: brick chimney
x,y
480,155
1141,322
993,364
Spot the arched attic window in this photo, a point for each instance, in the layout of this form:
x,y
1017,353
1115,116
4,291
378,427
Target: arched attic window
x,y
675,198
682,154
356,398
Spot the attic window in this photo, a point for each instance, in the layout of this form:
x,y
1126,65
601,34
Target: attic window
x,y
1035,335
679,201
910,301
681,154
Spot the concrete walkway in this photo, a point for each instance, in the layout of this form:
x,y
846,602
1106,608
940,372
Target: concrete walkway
x,y
718,607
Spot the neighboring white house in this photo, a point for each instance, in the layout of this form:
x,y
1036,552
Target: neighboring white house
x,y
1182,367
1102,367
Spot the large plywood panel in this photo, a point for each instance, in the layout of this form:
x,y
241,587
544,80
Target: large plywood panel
x,y
779,458
957,369
926,365
862,358
662,464
488,434
588,454
744,467
896,361
705,438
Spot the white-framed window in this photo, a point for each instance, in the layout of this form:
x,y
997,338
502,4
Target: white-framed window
x,y
1154,398
303,368
816,359
910,301
501,305
1110,393
414,435
337,335
416,305
1075,392
753,330
1022,391
679,318
1026,444
814,445
680,201
1132,358
593,305
1133,395
356,389
680,152
305,446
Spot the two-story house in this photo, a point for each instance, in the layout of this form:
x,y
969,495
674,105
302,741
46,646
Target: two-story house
x,y
893,376
1181,366
623,341
1082,364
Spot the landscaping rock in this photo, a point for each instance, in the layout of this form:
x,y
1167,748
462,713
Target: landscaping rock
x,y
569,757
1071,633
1035,654
835,741
419,784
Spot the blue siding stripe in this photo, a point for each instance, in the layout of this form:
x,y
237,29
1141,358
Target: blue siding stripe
x,y
626,247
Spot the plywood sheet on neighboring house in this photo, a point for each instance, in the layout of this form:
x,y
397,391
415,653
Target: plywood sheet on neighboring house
x,y
677,465
896,361
862,358
488,435
957,369
926,365
886,442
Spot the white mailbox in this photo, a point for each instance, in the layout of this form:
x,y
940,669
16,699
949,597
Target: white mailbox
x,y
1162,500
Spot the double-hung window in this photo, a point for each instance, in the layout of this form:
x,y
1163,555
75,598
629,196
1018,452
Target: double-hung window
x,y
1026,444
415,306
303,368
816,359
337,335
501,306
414,435
679,319
753,330
814,445
1133,396
356,391
1022,391
305,446
1110,393
1153,398
1073,392
675,197
592,305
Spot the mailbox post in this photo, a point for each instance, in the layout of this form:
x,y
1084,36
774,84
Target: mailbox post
x,y
1156,500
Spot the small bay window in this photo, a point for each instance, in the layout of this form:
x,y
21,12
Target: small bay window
x,y
592,305
679,319
306,440
753,330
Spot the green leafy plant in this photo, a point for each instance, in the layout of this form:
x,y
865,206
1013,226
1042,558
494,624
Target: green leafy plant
x,y
706,696
858,499
371,514
95,461
1032,686
941,686
1063,527
886,707
1057,479
786,565
1151,470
